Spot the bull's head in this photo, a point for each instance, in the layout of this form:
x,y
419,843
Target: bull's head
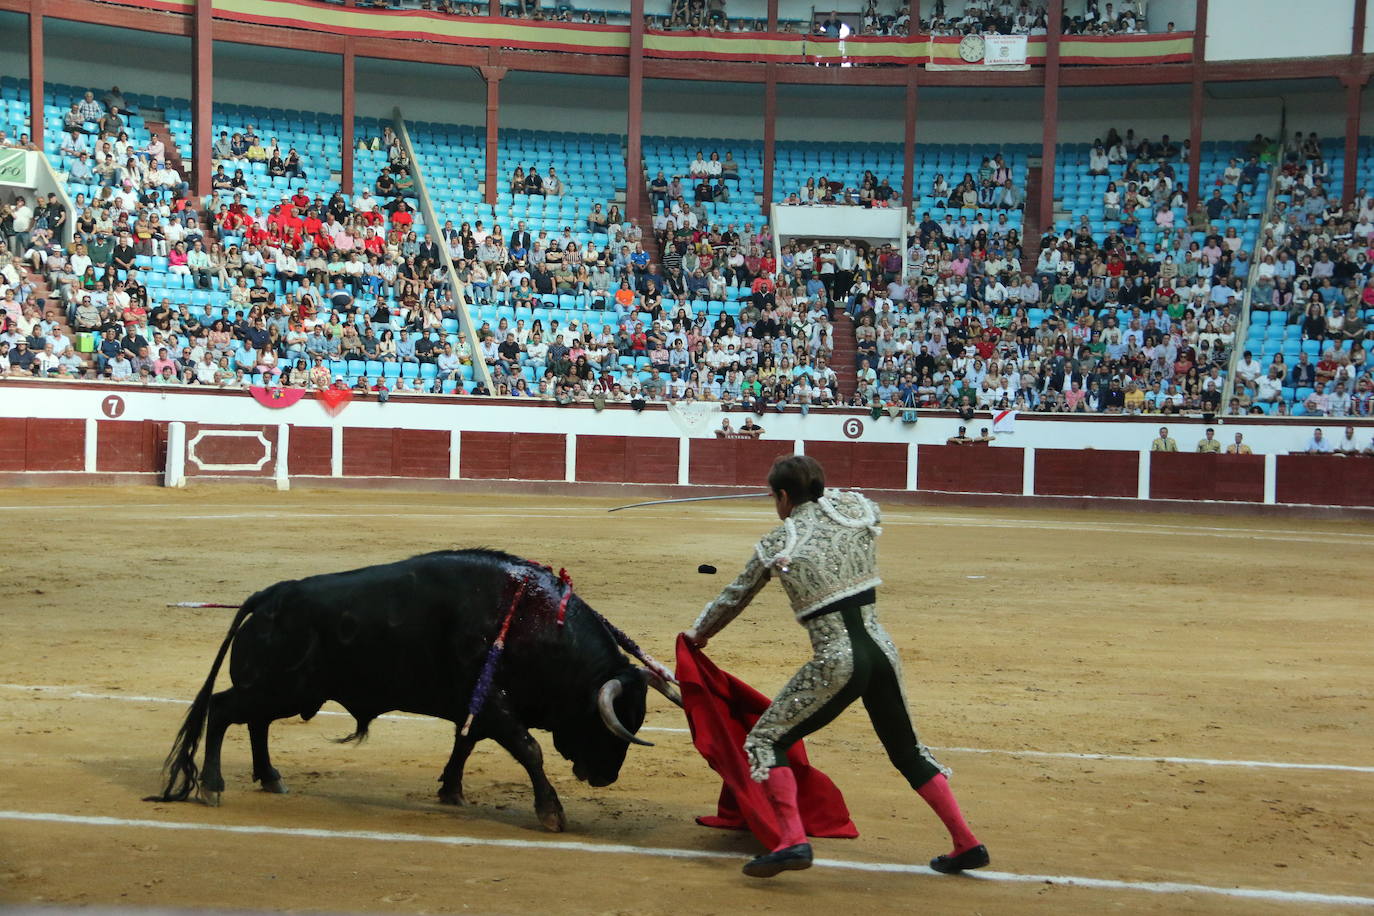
x,y
614,714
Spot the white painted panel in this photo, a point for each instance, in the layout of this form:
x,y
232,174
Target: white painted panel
x,y
834,222
1258,29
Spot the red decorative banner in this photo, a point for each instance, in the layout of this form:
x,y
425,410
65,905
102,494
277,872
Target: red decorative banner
x,y
276,396
334,400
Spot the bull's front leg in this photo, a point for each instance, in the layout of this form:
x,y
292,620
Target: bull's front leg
x,y
451,780
501,725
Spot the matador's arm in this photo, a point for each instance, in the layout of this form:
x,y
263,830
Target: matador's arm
x,y
734,598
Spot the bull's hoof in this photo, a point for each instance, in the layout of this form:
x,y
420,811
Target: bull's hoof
x,y
275,786
553,820
211,798
452,798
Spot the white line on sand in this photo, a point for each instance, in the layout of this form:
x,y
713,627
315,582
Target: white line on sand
x,y
893,516
73,694
1155,887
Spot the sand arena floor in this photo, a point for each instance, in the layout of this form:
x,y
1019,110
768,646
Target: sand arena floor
x,y
1065,634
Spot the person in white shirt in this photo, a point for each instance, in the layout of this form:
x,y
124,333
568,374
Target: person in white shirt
x,y
365,202
995,293
1048,262
206,369
1347,446
1097,160
23,224
1249,368
553,185
47,361
1318,445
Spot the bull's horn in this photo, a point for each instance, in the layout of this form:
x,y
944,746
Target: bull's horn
x,y
654,680
605,704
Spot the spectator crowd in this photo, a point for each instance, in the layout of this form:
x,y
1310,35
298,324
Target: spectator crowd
x,y
1313,277
940,17
969,316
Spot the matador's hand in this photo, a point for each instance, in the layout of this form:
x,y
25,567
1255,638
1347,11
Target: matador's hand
x,y
696,641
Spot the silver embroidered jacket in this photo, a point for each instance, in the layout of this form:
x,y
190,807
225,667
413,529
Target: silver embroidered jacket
x,y
823,552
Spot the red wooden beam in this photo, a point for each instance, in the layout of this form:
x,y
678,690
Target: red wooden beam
x,y
36,73
1354,97
1195,107
770,118
350,97
770,134
202,95
909,150
493,74
634,121
1051,112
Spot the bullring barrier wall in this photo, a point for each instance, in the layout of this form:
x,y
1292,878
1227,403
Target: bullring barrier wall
x,y
53,432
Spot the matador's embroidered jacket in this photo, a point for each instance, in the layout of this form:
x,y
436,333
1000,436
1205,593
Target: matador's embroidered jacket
x,y
823,552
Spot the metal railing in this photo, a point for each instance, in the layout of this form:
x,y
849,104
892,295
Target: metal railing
x,y
1247,301
479,365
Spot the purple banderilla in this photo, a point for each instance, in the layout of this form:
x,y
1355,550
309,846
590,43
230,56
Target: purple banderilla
x,y
483,686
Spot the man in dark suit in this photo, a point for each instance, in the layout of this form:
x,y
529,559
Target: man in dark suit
x,y
520,238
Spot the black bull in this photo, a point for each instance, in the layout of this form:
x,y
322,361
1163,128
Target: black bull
x,y
412,636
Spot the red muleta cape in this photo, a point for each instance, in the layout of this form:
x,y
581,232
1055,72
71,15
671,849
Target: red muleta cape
x,y
720,711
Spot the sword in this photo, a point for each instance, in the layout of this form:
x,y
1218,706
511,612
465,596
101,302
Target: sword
x,y
689,499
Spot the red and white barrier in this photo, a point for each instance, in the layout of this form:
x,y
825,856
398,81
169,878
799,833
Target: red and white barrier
x,y
199,450
51,432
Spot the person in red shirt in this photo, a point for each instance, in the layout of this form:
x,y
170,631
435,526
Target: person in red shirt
x,y
257,235
230,220
292,220
300,199
982,344
402,219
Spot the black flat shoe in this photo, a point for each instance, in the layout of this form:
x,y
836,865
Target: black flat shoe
x,y
976,857
793,858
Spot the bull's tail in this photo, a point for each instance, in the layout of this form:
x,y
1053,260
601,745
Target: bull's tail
x,y
360,732
183,776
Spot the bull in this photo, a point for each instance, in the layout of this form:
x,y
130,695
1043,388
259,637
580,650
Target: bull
x,y
412,636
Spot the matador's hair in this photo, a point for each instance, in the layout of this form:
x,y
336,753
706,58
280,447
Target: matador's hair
x,y
799,476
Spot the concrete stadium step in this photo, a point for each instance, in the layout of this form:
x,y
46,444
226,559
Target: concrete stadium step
x,y
843,357
172,154
1032,227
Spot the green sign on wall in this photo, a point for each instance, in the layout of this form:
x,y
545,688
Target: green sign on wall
x,y
16,167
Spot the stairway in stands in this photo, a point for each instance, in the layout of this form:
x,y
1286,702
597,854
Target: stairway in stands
x,y
1032,226
843,358
644,215
171,154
